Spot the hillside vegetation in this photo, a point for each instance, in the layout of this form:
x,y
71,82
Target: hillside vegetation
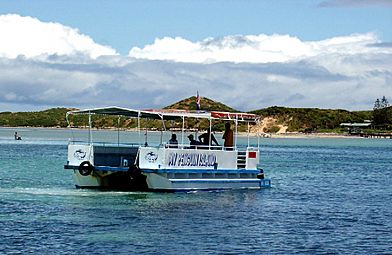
x,y
382,118
54,117
206,105
293,119
312,119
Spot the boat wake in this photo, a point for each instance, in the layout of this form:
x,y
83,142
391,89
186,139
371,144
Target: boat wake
x,y
63,192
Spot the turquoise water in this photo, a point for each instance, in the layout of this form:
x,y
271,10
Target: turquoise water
x,y
329,196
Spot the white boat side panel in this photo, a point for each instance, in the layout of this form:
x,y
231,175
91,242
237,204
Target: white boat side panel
x,y
199,159
252,159
77,153
150,158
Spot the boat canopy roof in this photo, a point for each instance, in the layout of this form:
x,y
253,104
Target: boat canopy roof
x,y
167,114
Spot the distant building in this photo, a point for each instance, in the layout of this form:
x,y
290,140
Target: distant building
x,y
356,128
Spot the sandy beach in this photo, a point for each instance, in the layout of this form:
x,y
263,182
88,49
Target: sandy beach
x,y
311,135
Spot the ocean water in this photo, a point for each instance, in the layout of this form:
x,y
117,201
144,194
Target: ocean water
x,y
328,196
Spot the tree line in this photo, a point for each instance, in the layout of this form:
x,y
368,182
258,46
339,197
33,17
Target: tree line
x,y
382,114
297,119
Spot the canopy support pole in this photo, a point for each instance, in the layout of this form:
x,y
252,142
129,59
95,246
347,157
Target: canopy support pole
x,y
248,134
209,139
118,131
138,128
163,129
90,135
182,133
236,133
258,136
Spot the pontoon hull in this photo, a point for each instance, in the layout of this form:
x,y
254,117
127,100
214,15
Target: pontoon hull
x,y
159,182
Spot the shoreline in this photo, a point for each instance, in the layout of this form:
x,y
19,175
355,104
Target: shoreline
x,y
313,135
292,135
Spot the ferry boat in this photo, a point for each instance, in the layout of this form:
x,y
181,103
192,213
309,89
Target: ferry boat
x,y
165,167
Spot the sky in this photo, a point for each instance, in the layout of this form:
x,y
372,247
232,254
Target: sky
x,y
248,54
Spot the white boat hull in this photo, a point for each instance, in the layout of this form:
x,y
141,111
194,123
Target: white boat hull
x,y
89,181
162,182
158,182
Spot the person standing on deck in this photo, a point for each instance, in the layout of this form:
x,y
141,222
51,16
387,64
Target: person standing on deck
x,y
228,137
205,138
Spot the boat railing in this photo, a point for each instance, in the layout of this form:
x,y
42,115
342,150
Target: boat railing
x,y
105,144
251,148
206,147
168,146
196,147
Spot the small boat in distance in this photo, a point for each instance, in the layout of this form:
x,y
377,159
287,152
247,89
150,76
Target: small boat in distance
x,y
168,166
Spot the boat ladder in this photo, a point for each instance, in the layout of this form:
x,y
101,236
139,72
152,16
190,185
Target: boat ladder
x,y
241,159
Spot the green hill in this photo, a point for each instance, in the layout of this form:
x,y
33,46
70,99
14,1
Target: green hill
x,y
313,119
54,117
296,119
206,104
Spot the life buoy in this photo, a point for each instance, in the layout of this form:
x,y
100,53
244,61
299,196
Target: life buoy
x,y
85,168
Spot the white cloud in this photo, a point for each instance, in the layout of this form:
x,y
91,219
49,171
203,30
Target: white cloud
x,y
62,67
253,49
344,57
30,37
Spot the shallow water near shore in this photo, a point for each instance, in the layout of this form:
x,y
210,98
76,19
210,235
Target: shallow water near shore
x,y
328,196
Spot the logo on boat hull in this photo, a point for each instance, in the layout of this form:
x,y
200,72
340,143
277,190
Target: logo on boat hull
x,y
79,154
151,157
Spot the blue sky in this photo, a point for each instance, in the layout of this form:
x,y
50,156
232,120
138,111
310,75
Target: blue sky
x,y
148,54
123,24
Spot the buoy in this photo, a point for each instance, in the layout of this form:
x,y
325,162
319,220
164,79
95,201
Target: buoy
x,y
85,168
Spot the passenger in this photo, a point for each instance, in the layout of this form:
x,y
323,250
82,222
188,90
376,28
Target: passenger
x,y
205,138
193,142
173,143
228,137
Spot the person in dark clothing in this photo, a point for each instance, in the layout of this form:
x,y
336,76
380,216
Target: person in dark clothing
x,y
205,138
193,142
173,143
228,137
17,137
